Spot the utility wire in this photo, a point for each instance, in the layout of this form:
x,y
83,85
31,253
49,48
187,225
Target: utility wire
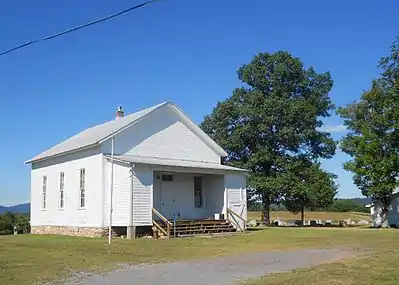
x,y
78,27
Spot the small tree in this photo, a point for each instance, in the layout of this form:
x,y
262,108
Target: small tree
x,y
273,118
22,224
308,187
373,137
7,222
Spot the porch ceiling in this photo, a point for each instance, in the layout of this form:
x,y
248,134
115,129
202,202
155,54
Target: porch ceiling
x,y
175,163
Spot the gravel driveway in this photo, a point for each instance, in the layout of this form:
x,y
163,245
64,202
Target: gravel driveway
x,y
220,271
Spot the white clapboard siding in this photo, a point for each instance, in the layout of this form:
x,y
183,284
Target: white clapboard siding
x,y
163,134
142,196
72,214
235,185
121,195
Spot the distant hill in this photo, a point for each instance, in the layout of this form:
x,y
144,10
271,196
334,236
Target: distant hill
x,y
20,209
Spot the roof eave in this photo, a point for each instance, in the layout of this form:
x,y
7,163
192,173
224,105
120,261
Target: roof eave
x,y
230,169
33,160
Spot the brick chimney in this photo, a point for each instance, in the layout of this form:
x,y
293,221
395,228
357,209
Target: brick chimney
x,y
119,113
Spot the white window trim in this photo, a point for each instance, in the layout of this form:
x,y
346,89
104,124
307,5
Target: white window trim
x,y
80,190
63,191
43,194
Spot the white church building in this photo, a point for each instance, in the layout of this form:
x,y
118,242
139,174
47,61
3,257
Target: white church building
x,y
152,165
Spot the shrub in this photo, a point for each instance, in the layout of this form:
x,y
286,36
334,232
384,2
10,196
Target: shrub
x,y
9,220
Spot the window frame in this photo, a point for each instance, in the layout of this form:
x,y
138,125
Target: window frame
x,y
44,192
61,192
201,192
163,176
82,188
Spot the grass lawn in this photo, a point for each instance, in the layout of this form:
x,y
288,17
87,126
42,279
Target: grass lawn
x,y
334,216
377,267
29,258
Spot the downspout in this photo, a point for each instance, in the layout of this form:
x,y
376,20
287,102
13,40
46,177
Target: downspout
x,y
111,188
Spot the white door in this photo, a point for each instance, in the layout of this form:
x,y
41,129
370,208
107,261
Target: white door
x,y
177,197
157,192
168,196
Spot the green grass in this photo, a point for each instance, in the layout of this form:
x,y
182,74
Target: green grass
x,y
378,266
31,258
334,216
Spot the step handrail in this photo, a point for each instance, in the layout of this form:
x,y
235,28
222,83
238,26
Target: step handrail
x,y
159,227
229,211
168,224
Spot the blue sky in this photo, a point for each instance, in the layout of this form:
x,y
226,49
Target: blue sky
x,y
185,51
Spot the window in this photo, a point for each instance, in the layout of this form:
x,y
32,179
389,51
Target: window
x,y
44,191
198,192
61,205
82,188
167,178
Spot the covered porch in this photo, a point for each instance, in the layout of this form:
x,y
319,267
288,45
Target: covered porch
x,y
178,197
197,201
189,196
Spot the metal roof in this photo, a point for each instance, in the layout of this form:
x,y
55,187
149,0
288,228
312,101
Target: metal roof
x,y
100,133
174,162
93,135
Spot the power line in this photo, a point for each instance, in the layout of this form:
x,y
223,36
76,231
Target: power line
x,y
78,27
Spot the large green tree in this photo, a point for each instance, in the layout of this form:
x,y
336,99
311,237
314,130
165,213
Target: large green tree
x,y
274,117
308,187
373,135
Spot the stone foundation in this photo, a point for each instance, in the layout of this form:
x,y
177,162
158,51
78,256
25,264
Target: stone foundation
x,y
69,231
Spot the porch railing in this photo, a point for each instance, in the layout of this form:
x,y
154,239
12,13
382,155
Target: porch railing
x,y
165,220
233,218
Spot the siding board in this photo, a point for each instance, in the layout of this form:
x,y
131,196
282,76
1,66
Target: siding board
x,y
120,198
235,185
142,196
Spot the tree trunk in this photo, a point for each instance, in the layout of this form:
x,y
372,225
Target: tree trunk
x,y
302,217
384,217
266,209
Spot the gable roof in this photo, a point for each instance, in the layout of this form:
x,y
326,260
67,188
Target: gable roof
x,y
100,133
